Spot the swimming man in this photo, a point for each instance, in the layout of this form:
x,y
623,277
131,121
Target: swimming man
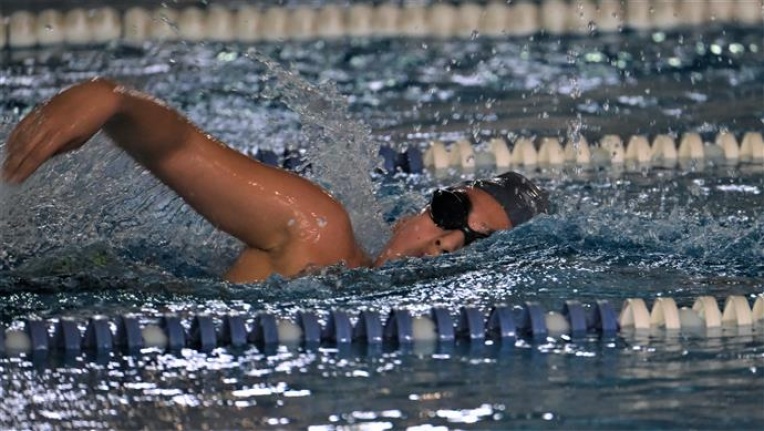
x,y
288,224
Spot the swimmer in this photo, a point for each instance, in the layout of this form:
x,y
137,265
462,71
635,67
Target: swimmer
x,y
288,224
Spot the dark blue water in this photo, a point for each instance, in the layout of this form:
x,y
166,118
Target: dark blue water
x,y
93,234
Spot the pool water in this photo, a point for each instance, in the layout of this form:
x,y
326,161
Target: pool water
x,y
93,234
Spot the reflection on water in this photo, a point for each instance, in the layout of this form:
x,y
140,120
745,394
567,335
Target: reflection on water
x,y
557,384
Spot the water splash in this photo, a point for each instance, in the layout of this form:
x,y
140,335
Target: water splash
x,y
341,152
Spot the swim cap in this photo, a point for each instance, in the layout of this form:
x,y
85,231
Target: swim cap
x,y
520,198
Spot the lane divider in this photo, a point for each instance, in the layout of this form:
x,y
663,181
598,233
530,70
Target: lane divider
x,y
229,21
610,150
400,328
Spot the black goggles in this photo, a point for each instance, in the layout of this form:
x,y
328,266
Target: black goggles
x,y
449,210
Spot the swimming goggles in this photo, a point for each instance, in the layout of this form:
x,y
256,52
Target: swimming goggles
x,y
449,210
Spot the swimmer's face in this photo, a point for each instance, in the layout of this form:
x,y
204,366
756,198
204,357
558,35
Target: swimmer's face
x,y
420,235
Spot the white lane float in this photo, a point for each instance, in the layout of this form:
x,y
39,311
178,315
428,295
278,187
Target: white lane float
x,y
330,22
164,24
247,24
550,152
105,25
360,20
577,151
77,30
524,153
22,30
302,23
137,25
220,24
50,27
752,148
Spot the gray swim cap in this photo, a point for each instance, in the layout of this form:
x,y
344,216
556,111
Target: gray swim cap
x,y
520,197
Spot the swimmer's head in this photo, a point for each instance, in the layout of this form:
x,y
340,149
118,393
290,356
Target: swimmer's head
x,y
459,215
520,198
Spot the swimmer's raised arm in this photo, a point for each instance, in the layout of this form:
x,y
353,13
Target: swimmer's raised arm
x,y
267,208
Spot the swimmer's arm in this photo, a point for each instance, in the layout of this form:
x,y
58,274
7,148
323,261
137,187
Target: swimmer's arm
x,y
263,206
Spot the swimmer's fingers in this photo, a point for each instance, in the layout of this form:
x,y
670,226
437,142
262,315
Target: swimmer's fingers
x,y
27,155
42,134
16,151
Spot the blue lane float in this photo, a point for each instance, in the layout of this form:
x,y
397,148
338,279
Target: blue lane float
x,y
409,161
368,330
400,329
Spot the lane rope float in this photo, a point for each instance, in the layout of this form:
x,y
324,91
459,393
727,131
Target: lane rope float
x,y
399,329
229,21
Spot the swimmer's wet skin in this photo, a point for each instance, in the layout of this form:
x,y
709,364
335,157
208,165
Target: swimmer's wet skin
x,y
288,224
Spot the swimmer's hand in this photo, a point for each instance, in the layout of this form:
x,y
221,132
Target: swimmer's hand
x,y
63,123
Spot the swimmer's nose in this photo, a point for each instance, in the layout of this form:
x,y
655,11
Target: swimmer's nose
x,y
448,243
